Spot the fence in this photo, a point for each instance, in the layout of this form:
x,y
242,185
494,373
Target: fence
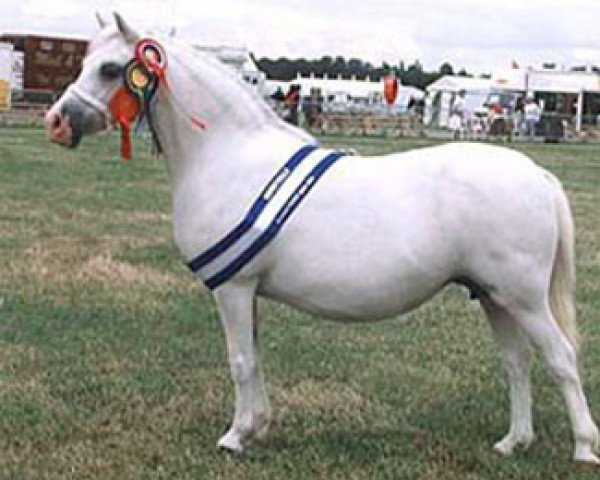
x,y
28,108
368,124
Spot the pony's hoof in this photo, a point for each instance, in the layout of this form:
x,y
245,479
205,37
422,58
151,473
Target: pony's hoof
x,y
231,443
503,447
508,443
583,453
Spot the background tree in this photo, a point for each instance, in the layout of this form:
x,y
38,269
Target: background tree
x,y
446,69
413,75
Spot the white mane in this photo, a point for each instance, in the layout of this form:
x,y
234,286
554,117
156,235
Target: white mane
x,y
239,102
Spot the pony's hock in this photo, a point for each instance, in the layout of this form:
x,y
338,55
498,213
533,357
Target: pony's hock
x,y
372,239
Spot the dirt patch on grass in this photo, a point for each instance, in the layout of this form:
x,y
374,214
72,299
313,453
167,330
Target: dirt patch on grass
x,y
19,363
126,438
336,399
144,216
66,264
103,268
10,351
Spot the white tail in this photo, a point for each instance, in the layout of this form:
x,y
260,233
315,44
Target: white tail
x,y
562,283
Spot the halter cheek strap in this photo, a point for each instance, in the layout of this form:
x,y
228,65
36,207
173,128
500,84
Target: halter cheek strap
x,y
122,108
90,101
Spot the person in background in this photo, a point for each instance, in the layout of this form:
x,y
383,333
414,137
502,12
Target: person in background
x,y
313,110
532,116
278,96
458,115
519,115
276,101
292,102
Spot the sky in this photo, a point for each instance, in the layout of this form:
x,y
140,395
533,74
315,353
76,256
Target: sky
x,y
481,36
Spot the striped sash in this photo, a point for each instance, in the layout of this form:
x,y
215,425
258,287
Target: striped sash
x,y
265,218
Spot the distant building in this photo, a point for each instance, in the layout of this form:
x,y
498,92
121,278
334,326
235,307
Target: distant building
x,y
49,63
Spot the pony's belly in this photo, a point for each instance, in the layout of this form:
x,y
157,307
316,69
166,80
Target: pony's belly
x,y
342,296
371,257
366,308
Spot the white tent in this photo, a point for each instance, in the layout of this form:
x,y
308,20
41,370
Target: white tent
x,y
578,83
454,84
353,89
559,81
563,82
547,80
331,85
442,92
529,81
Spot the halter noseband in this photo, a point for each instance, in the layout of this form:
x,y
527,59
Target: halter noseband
x,y
90,101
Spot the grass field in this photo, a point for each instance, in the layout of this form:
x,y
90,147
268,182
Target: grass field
x,y
113,362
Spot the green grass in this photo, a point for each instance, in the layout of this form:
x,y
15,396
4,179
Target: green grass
x,y
113,363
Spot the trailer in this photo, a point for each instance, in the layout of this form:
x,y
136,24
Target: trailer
x,y
49,63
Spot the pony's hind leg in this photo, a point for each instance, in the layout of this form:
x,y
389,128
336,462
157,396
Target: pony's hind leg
x,y
560,355
516,355
237,308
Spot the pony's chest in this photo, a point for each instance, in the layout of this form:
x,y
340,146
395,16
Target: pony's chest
x,y
199,224
235,244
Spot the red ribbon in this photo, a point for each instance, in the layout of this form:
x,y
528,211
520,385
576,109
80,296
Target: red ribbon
x,y
125,141
152,55
124,107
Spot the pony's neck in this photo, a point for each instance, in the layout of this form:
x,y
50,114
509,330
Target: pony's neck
x,y
200,86
215,173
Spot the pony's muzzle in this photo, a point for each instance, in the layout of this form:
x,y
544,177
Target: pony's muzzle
x,y
58,128
68,121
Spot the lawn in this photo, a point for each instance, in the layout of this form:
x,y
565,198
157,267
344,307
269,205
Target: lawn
x,y
113,363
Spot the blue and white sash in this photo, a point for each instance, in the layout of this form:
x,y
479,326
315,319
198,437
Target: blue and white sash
x,y
266,216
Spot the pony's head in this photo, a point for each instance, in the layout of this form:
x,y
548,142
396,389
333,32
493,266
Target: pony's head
x,y
84,107
200,91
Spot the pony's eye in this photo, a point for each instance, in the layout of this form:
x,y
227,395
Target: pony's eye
x,y
111,71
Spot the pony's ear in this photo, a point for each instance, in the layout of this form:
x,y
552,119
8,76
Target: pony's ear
x,y
131,36
100,20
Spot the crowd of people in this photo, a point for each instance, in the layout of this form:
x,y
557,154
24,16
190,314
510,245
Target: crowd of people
x,y
521,117
309,110
287,104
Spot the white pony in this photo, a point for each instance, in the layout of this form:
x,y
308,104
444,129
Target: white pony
x,y
374,238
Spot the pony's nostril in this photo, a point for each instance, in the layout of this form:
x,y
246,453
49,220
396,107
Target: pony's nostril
x,y
58,128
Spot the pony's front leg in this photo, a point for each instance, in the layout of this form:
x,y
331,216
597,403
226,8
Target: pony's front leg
x,y
237,309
